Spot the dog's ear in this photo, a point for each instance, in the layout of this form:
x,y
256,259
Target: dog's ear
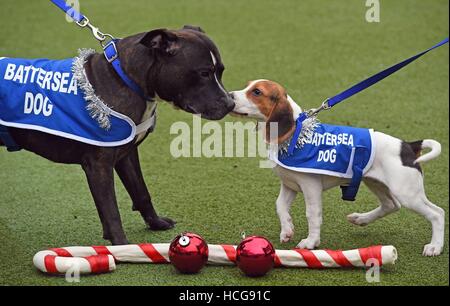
x,y
193,28
282,119
162,40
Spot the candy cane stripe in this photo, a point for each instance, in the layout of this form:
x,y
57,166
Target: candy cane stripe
x,y
61,252
152,253
310,259
163,250
373,252
50,265
277,261
98,263
325,259
77,251
340,258
230,251
101,250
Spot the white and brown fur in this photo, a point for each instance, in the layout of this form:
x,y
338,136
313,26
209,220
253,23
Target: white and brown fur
x,y
395,177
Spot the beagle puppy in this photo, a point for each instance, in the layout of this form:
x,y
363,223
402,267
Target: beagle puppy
x,y
393,174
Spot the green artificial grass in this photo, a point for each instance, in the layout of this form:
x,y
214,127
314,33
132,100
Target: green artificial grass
x,y
315,49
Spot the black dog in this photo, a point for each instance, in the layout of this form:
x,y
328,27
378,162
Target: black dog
x,y
183,67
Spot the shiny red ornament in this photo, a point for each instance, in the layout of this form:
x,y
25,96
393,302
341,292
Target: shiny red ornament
x,y
255,256
188,252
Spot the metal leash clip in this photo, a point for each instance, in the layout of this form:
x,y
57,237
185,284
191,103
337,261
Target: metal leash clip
x,y
83,22
99,35
314,111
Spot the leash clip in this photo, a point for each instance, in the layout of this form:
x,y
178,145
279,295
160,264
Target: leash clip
x,y
108,38
83,23
314,111
325,105
98,35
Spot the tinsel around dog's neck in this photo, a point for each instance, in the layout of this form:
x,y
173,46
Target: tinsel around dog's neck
x,y
308,128
97,108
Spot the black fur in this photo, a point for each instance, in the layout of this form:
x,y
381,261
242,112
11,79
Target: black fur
x,y
409,152
163,62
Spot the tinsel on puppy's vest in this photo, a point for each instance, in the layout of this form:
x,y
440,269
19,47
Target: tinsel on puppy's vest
x,y
340,151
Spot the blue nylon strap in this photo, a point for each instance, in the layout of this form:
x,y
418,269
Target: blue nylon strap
x,y
349,192
298,129
69,10
378,77
112,56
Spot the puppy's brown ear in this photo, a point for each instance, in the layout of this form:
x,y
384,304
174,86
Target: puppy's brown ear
x,y
161,40
281,119
193,28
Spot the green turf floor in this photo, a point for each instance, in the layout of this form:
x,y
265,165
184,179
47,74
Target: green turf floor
x,y
315,48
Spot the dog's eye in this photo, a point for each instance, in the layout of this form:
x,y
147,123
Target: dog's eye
x,y
256,92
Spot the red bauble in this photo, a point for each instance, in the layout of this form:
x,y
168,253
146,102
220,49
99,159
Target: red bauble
x,y
188,252
255,256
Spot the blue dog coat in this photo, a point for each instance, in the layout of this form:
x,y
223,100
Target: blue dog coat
x,y
45,95
339,151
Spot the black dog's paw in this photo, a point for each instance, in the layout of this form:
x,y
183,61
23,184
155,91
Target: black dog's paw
x,y
161,224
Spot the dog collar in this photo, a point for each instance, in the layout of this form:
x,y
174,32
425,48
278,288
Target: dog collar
x,y
112,56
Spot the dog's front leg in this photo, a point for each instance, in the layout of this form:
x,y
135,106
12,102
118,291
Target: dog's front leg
x,y
100,176
312,191
284,203
129,171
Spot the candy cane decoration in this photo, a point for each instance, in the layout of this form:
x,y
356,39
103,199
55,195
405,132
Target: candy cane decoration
x,y
57,261
100,259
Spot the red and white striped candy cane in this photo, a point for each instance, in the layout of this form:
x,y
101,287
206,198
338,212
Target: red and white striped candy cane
x,y
53,262
313,259
97,259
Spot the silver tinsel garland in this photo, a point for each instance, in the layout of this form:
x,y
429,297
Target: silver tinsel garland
x,y
97,108
308,128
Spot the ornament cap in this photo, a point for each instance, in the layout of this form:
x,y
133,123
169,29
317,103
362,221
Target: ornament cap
x,y
184,241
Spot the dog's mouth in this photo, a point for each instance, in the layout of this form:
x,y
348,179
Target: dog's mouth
x,y
191,110
205,115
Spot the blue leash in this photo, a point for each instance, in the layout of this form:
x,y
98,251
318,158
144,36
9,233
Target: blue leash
x,y
109,48
70,11
349,192
330,102
377,77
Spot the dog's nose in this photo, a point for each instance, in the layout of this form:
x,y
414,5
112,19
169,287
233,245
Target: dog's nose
x,y
230,104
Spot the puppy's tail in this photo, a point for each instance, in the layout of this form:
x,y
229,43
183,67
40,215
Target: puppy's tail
x,y
426,144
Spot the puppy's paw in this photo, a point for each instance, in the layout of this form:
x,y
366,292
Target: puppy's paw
x,y
357,219
286,235
308,243
432,250
161,224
